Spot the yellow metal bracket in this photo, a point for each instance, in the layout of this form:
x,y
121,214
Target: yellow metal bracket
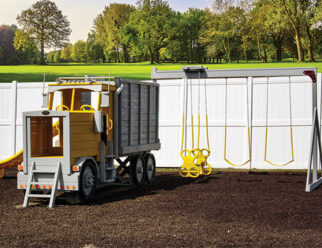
x,y
109,124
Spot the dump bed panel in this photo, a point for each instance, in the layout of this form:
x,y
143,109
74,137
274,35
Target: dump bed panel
x,y
138,114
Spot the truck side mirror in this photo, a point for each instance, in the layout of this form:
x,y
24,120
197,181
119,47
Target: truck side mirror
x,y
105,97
99,122
45,97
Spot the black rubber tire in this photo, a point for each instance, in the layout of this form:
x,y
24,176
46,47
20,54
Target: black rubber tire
x,y
138,170
86,194
150,168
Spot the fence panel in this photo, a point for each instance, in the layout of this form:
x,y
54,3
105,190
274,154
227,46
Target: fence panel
x,y
16,98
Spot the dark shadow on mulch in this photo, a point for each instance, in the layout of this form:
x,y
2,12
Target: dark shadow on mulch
x,y
162,182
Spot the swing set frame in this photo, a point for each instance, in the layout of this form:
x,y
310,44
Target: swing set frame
x,y
195,72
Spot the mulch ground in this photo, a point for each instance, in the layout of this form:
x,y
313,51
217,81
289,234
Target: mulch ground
x,y
220,210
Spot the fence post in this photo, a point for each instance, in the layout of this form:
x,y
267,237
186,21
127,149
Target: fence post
x,y
319,95
13,116
319,102
250,117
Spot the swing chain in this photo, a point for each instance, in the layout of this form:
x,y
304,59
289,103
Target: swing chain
x,y
291,124
195,160
248,127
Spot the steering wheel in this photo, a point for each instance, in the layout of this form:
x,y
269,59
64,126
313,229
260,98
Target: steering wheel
x,y
62,107
87,106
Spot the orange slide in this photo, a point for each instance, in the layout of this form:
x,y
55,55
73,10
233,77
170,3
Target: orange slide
x,y
11,162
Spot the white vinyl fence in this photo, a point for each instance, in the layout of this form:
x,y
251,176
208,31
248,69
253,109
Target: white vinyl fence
x,y
16,98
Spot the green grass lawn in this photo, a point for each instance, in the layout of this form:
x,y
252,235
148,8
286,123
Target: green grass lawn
x,y
142,71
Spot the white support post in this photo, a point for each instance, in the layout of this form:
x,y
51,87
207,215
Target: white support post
x,y
250,117
313,165
315,152
13,116
319,101
314,108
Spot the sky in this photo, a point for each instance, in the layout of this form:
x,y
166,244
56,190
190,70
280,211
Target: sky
x,y
81,13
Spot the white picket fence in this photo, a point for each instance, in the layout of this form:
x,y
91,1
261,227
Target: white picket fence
x,y
16,98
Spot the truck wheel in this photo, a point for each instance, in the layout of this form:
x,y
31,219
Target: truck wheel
x,y
150,167
88,181
138,170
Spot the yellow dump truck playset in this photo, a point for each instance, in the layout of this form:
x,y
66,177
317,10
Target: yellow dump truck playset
x,y
73,147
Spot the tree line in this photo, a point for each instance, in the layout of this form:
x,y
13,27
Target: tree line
x,y
261,30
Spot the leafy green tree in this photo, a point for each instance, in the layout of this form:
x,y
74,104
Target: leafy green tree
x,y
46,24
25,46
312,24
245,29
301,15
6,43
259,32
93,50
153,19
66,53
78,53
51,56
224,28
115,16
57,58
131,38
100,31
192,22
276,25
294,12
176,50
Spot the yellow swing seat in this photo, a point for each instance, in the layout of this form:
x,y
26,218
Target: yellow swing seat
x,y
189,168
205,168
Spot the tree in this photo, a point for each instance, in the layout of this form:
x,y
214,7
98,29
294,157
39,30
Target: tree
x,y
93,50
153,19
294,11
6,43
193,21
277,25
245,28
66,53
312,20
25,46
51,56
78,52
259,32
114,17
57,56
46,24
223,27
